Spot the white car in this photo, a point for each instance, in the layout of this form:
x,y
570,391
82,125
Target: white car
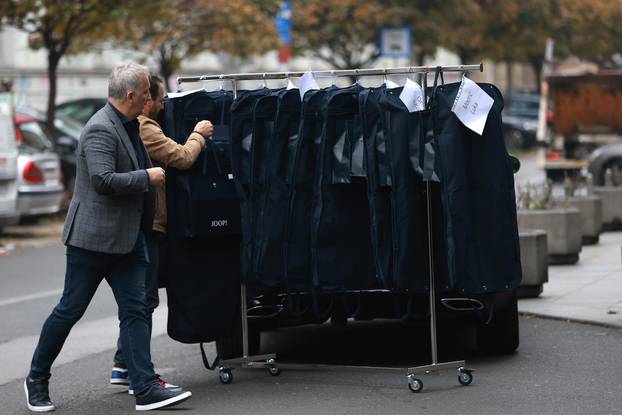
x,y
9,214
39,183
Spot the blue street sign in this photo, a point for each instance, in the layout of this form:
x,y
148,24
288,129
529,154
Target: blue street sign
x,y
283,22
395,42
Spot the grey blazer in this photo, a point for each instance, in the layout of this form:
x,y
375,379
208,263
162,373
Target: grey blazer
x,y
111,194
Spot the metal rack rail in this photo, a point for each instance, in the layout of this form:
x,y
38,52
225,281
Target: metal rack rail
x,y
268,361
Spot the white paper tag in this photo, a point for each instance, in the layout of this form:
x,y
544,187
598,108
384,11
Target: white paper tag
x,y
290,85
183,93
390,84
307,83
472,105
412,96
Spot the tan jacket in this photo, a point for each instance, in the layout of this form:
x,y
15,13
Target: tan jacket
x,y
165,152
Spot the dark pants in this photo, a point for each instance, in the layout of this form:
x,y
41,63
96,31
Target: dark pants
x,y
126,276
151,285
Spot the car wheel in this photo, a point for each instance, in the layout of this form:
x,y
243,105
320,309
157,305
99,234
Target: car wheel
x,y
612,168
500,335
513,139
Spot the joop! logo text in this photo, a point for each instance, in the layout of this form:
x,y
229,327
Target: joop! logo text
x,y
219,223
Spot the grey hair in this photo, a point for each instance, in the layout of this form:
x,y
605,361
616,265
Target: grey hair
x,y
124,78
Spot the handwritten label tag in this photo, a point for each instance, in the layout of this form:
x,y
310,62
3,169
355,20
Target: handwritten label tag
x,y
412,96
472,105
290,85
307,83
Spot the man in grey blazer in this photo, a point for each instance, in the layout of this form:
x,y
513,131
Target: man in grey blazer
x,y
109,218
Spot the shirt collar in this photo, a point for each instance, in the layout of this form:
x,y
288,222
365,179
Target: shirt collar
x,y
121,116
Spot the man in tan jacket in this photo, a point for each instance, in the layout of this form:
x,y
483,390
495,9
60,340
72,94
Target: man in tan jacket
x,y
163,152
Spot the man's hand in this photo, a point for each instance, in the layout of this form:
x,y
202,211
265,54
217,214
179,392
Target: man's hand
x,y
156,176
205,128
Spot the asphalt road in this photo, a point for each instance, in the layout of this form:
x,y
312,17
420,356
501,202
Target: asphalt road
x,y
560,368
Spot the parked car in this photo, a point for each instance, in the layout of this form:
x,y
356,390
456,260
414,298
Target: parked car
x,y
65,136
80,110
39,185
608,157
9,214
520,120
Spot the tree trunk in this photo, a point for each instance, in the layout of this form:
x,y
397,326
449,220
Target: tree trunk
x,y
536,63
466,55
166,70
509,81
53,60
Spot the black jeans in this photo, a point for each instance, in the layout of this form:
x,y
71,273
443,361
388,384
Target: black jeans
x,y
151,286
126,276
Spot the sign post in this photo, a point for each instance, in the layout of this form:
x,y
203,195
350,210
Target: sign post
x,y
283,23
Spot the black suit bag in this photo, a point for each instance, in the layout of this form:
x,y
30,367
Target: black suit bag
x,y
275,192
341,230
478,200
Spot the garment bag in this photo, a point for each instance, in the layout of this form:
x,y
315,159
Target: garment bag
x,y
202,202
340,228
264,113
477,192
242,123
406,138
301,166
203,301
279,136
379,183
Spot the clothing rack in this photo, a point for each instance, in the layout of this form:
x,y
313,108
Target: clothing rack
x,y
268,361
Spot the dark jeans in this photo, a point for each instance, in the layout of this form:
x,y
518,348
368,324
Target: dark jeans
x,y
126,276
151,284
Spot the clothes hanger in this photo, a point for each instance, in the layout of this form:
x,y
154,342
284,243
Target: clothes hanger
x,y
290,84
263,82
387,82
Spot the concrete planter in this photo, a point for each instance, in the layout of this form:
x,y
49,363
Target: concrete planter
x,y
612,206
563,230
534,262
591,208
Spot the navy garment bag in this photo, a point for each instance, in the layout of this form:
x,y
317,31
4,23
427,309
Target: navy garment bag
x,y
478,200
274,139
406,139
378,183
202,202
340,228
203,263
301,165
241,131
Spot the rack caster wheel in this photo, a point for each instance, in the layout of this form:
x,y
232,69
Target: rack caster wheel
x,y
272,368
225,376
415,385
465,377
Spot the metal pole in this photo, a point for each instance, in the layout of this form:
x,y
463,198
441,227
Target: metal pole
x,y
243,305
430,253
432,287
341,72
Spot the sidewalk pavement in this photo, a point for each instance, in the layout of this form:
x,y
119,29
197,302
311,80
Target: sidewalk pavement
x,y
590,291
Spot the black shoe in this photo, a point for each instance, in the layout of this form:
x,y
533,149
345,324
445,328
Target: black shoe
x,y
158,396
38,395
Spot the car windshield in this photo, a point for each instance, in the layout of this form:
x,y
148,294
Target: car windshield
x,y
68,126
33,136
524,106
80,111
